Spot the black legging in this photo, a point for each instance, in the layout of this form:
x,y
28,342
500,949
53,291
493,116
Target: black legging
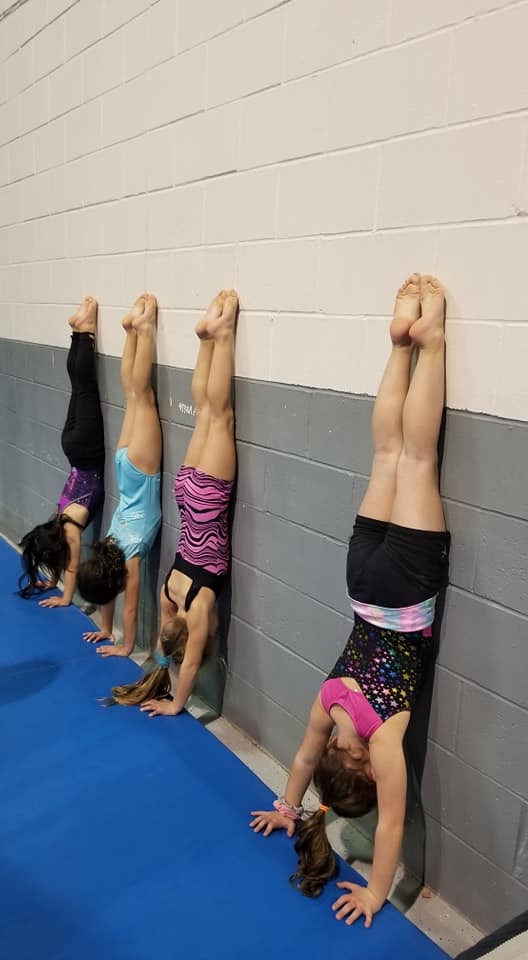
x,y
83,433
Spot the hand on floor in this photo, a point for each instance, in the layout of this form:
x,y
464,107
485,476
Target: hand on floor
x,y
269,820
54,602
359,902
118,650
158,708
93,636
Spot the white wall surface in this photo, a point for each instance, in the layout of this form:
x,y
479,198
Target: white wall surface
x,y
310,152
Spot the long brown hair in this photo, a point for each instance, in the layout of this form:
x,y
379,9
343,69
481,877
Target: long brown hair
x,y
349,792
157,684
43,548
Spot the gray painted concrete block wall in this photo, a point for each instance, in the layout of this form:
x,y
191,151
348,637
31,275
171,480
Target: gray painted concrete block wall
x,y
304,459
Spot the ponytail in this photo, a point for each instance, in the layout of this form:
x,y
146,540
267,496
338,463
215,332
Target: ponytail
x,y
350,794
316,863
157,684
153,686
103,576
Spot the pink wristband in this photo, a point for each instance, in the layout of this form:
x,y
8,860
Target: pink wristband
x,y
285,810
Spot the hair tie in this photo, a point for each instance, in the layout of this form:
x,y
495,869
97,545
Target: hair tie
x,y
288,810
161,661
324,808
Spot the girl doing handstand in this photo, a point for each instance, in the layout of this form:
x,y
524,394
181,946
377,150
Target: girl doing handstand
x,y
397,563
55,547
116,561
203,489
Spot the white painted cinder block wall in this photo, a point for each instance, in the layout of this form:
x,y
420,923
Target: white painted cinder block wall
x,y
310,153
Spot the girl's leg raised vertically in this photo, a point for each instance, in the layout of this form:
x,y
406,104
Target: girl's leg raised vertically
x,y
218,456
144,444
387,430
83,433
417,503
199,381
127,367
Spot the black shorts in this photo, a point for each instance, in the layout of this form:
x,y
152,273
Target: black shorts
x,y
393,566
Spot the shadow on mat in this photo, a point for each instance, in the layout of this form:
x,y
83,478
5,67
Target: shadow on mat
x,y
22,680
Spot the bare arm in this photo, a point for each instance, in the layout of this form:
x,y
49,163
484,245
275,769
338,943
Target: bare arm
x,y
107,617
192,661
315,739
130,605
73,537
305,761
107,625
388,763
70,574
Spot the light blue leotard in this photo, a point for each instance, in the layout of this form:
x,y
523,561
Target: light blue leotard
x,y
137,518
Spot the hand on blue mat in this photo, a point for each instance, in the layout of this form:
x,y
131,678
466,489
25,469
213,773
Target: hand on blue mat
x,y
159,708
118,650
53,602
93,636
269,820
360,901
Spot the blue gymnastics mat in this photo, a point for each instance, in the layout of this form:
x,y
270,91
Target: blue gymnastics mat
x,y
126,837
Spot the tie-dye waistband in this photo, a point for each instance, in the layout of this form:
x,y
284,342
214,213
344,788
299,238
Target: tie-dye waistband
x,y
419,616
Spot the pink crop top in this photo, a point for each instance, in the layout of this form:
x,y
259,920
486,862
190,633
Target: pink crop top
x,y
363,716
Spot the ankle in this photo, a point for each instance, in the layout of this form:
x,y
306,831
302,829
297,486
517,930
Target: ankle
x,y
402,347
224,335
434,342
145,331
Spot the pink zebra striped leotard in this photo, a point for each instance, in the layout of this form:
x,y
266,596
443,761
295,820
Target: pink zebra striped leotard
x,y
203,552
203,502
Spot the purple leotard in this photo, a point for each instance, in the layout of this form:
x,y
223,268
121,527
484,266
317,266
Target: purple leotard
x,y
85,487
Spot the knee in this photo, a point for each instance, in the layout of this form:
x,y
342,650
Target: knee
x,y
224,419
145,395
202,415
413,459
386,461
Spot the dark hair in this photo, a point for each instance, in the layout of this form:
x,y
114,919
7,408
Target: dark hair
x,y
45,548
157,684
349,793
103,576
